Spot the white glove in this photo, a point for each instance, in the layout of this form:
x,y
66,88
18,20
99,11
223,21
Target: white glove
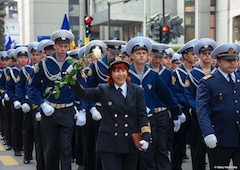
x,y
47,109
17,104
6,97
182,118
177,125
38,116
144,145
81,118
3,102
77,112
96,115
211,141
25,108
147,110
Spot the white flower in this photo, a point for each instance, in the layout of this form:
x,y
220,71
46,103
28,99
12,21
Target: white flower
x,y
96,52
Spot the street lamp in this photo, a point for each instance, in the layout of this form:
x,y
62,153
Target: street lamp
x,y
109,3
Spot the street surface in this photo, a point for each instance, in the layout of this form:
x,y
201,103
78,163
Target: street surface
x,y
8,161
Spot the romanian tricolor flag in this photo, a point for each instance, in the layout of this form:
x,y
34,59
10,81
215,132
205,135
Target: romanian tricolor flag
x,y
66,26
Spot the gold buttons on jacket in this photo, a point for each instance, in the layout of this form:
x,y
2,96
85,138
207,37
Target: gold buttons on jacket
x,y
126,134
126,115
126,125
115,134
115,115
115,124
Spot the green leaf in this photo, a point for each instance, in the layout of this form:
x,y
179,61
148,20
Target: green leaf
x,y
62,84
71,61
56,87
48,89
72,81
56,96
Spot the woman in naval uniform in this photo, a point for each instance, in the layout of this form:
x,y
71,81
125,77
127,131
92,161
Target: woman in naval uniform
x,y
123,113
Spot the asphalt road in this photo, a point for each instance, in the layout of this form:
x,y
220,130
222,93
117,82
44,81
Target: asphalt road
x,y
8,161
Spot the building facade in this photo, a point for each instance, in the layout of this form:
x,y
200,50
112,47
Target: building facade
x,y
11,22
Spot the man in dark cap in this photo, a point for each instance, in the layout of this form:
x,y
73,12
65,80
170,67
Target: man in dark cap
x,y
217,108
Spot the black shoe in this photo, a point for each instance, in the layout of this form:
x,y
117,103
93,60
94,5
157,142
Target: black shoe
x,y
26,161
17,153
81,167
8,148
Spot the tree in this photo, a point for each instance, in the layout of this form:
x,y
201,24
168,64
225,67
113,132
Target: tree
x,y
2,16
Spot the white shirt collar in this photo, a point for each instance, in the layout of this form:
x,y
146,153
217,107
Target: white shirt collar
x,y
123,87
226,75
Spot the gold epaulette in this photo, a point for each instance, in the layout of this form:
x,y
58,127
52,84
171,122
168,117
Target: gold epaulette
x,y
207,76
1,91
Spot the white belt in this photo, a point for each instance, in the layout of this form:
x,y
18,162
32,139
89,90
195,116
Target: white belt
x,y
59,106
160,109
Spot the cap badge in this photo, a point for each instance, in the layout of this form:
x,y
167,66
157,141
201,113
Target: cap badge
x,y
206,46
230,51
63,38
116,46
118,59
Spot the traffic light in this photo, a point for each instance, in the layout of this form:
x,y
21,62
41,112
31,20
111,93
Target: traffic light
x,y
165,34
157,33
88,22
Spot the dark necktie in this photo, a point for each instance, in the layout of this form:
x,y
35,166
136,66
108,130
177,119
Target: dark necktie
x,y
120,91
231,80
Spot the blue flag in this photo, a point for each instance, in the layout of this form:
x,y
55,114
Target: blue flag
x,y
66,26
8,42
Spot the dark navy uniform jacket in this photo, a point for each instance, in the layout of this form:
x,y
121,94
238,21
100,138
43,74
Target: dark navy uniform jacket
x,y
2,81
11,79
178,81
46,73
217,107
191,82
121,116
22,86
155,88
166,75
